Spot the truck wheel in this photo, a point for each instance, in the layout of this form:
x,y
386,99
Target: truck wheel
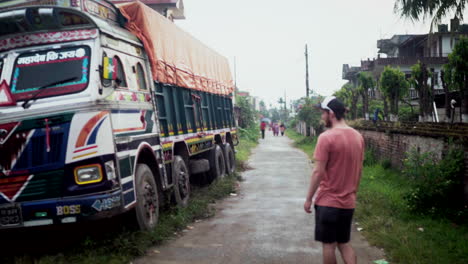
x,y
217,163
181,179
147,207
230,157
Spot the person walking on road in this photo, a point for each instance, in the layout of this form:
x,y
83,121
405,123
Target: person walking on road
x,y
338,156
282,129
275,129
262,128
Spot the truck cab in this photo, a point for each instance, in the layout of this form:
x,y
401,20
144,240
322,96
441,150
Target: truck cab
x,y
86,130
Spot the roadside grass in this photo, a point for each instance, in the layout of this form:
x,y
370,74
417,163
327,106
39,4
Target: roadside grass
x,y
248,140
405,237
125,245
306,144
387,223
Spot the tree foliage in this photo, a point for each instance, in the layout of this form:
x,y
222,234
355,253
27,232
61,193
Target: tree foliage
x,y
309,114
394,86
349,95
263,109
419,78
434,9
246,112
456,72
366,82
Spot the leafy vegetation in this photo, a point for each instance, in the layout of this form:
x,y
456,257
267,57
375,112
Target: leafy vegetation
x,y
436,186
366,82
247,114
394,86
456,73
435,9
419,78
309,114
349,95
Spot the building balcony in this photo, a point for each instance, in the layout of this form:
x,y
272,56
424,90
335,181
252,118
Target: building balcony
x,y
410,61
413,94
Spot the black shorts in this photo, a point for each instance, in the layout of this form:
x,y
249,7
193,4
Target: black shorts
x,y
333,224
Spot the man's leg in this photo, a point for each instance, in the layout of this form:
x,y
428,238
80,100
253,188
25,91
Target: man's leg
x,y
347,253
344,236
329,253
263,133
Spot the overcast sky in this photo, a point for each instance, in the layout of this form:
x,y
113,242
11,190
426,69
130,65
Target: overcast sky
x,y
267,37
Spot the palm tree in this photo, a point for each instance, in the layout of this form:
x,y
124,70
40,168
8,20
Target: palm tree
x,y
366,82
435,9
394,86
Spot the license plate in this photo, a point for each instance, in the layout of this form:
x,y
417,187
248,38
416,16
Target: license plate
x,y
10,215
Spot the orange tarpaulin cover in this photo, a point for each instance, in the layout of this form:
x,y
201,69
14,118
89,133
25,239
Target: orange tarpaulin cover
x,y
176,57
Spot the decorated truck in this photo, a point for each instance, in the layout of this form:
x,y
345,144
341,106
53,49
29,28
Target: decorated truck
x,y
106,110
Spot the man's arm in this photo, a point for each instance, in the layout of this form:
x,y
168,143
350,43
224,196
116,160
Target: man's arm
x,y
316,178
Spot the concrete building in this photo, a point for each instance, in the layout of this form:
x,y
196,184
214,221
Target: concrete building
x,y
404,51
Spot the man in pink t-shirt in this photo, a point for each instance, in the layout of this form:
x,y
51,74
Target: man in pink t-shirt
x,y
337,170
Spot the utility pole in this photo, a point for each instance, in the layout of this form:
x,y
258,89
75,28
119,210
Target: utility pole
x,y
307,70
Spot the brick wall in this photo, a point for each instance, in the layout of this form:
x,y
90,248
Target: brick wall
x,y
393,146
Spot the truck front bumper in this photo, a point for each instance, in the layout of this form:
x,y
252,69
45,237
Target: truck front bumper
x,y
61,211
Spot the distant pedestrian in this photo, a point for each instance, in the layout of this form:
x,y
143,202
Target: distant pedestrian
x,y
337,171
282,129
376,115
262,128
275,129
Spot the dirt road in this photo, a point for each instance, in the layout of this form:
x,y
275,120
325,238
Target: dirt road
x,y
264,223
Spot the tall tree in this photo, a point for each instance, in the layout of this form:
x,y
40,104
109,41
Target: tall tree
x,y
446,86
310,115
366,82
419,78
457,73
433,9
263,109
394,86
349,95
246,112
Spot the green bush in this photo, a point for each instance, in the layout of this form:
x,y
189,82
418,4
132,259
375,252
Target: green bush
x,y
405,114
369,158
437,185
250,134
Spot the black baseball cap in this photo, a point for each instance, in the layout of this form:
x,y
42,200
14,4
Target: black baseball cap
x,y
331,103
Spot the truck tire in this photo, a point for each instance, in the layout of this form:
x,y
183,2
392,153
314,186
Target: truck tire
x,y
181,177
147,206
217,164
230,158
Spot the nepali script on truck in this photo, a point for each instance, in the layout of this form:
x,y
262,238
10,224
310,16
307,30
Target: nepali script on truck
x,y
106,110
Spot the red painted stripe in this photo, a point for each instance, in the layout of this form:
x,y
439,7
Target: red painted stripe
x,y
87,129
76,151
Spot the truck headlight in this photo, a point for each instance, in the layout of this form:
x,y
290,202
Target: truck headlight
x,y
110,170
88,174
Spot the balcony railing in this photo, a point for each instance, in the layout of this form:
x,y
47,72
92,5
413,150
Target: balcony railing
x,y
413,94
410,60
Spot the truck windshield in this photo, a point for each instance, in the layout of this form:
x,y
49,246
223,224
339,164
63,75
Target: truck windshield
x,y
35,70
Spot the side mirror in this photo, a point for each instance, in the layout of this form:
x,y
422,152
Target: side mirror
x,y
109,68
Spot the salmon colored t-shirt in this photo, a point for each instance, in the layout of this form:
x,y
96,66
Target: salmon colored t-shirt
x,y
343,151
